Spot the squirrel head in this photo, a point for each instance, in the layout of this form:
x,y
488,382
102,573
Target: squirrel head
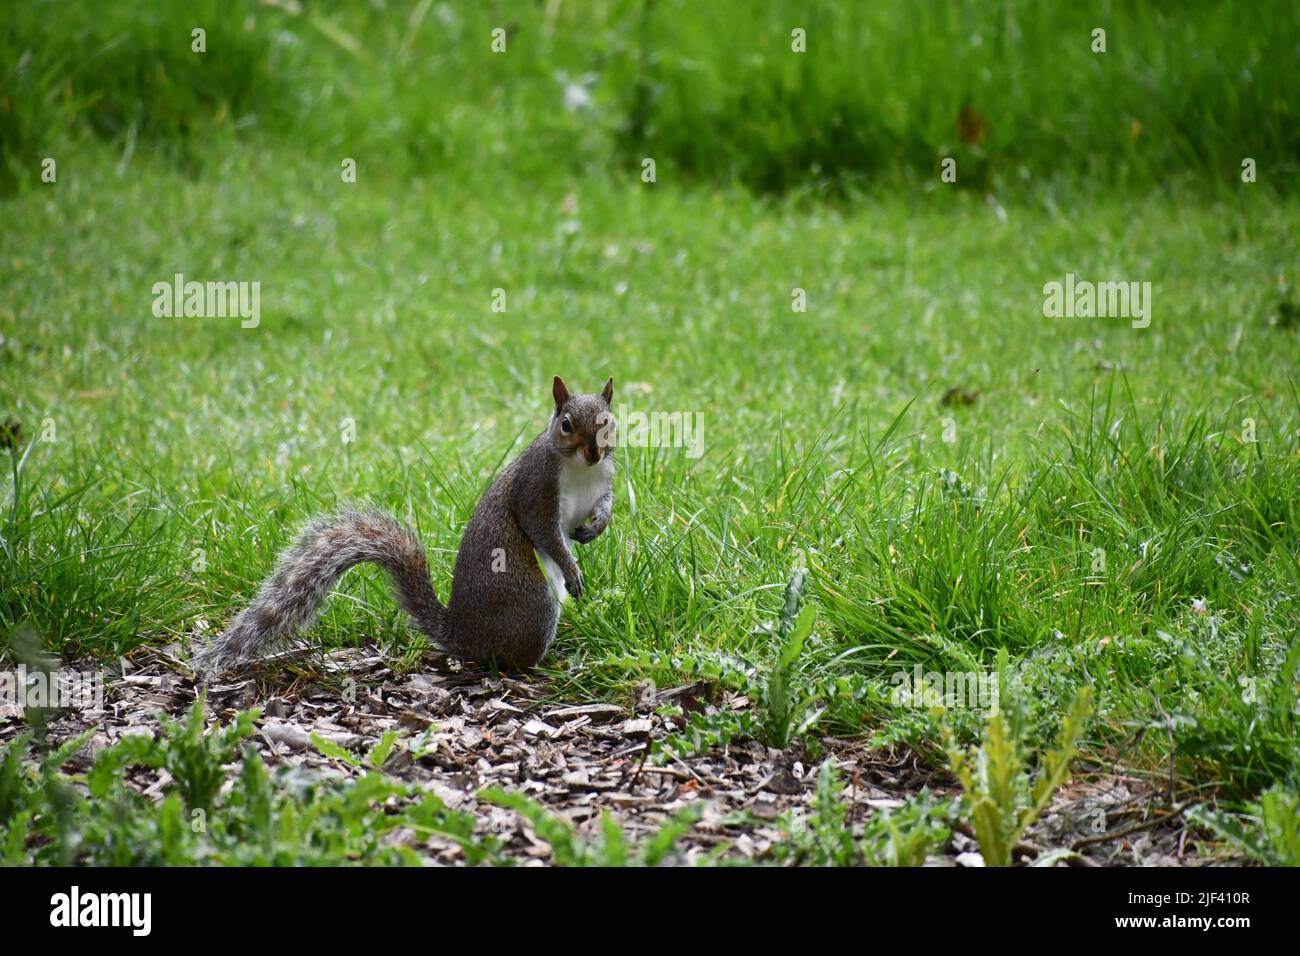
x,y
582,427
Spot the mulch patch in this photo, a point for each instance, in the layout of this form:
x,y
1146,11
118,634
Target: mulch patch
x,y
582,759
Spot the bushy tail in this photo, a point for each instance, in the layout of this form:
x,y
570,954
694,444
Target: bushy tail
x,y
306,572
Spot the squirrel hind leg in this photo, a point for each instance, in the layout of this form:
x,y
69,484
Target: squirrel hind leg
x,y
528,652
514,636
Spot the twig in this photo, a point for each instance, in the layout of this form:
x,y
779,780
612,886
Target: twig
x,y
1153,822
639,766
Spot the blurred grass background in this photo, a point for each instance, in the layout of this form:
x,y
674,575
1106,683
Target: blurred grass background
x,y
712,90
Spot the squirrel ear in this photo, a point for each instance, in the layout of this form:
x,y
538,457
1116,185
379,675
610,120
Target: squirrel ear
x,y
560,392
608,391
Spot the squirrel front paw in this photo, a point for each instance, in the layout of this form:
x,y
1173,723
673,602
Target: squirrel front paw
x,y
585,533
573,583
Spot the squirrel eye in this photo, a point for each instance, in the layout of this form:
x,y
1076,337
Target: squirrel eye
x,y
565,426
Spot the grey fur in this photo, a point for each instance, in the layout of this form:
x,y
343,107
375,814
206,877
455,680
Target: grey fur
x,y
504,616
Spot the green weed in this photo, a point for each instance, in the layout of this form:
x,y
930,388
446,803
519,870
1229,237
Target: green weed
x,y
1002,801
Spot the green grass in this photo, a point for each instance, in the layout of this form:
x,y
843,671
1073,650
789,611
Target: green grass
x,y
712,91
188,450
179,439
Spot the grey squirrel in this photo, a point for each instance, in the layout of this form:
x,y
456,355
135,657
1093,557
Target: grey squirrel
x,y
513,570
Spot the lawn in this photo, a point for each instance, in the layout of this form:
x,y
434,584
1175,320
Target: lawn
x,y
903,467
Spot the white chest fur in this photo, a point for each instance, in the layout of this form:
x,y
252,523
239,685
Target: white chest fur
x,y
581,486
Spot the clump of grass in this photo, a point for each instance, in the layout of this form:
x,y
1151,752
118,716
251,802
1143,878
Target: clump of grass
x,y
131,73
1235,721
788,698
891,88
1267,832
883,93
103,578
